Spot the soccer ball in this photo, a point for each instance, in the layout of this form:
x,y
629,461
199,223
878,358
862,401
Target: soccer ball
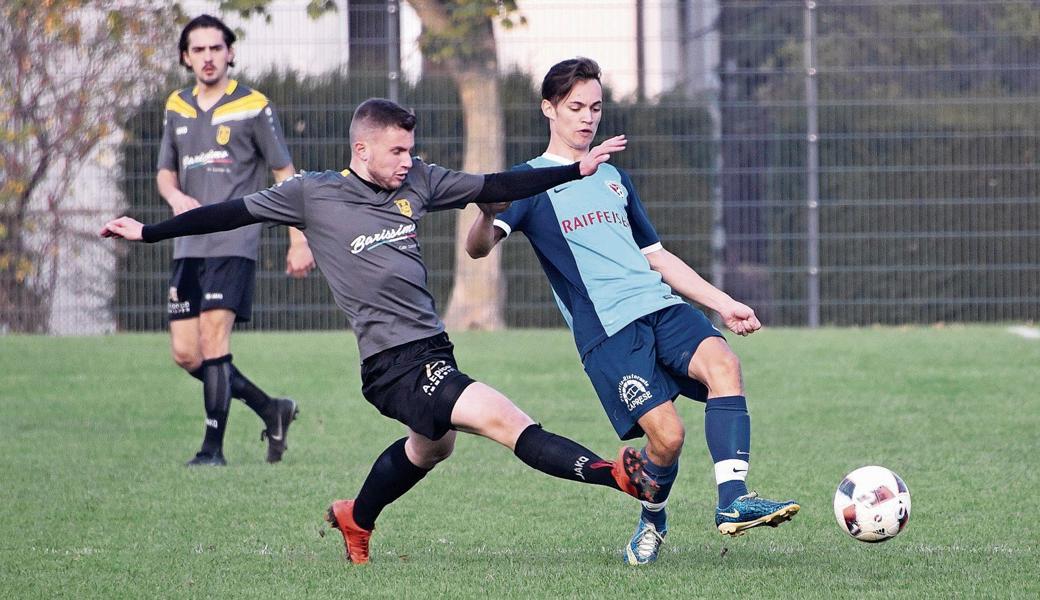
x,y
872,504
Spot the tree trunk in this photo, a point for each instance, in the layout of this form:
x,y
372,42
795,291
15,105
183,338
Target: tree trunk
x,y
478,292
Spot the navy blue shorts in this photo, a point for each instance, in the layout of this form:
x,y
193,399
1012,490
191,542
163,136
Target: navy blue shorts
x,y
201,284
646,364
416,383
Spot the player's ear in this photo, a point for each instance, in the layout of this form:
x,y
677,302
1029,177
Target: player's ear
x,y
548,110
361,150
231,57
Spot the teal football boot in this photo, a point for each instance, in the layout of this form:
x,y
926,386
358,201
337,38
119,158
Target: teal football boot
x,y
750,511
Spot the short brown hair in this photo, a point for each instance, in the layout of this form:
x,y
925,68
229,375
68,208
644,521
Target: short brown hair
x,y
380,113
563,76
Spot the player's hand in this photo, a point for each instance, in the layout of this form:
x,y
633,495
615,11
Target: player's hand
x,y
299,261
183,203
493,208
601,154
123,227
740,318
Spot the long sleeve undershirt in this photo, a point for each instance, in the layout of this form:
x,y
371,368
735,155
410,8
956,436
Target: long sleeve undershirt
x,y
222,216
232,214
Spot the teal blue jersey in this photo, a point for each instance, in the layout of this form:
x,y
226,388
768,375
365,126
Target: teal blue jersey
x,y
591,237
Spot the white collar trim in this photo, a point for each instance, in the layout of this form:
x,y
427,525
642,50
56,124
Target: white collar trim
x,y
556,158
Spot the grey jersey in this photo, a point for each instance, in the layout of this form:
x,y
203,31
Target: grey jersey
x,y
365,243
221,154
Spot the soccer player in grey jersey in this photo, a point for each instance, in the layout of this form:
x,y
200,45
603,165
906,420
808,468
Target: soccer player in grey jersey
x,y
361,225
218,137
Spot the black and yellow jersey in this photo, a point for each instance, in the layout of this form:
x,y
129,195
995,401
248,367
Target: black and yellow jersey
x,y
219,154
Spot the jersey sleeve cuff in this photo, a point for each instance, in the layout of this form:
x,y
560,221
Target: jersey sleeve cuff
x,y
651,248
505,227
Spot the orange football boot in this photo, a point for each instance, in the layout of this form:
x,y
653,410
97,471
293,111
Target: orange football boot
x,y
630,477
341,516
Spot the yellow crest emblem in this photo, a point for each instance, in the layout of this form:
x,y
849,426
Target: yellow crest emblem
x,y
223,134
404,206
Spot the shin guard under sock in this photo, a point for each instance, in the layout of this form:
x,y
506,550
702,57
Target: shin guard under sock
x,y
563,458
245,390
727,429
654,512
391,476
216,393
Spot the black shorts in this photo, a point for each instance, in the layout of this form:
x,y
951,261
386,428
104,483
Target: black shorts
x,y
201,284
416,383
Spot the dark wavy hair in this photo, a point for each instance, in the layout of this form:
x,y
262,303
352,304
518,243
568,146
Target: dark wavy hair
x,y
203,22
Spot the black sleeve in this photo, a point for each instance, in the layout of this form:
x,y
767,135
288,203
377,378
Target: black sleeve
x,y
223,216
516,185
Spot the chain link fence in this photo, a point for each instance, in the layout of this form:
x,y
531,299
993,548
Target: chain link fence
x,y
839,163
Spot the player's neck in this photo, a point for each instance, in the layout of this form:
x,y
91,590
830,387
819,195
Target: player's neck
x,y
558,148
360,171
208,95
357,167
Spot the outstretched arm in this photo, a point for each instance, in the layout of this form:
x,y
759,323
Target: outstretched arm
x,y
514,185
223,216
501,188
738,317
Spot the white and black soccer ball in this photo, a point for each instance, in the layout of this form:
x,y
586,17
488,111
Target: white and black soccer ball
x,y
872,504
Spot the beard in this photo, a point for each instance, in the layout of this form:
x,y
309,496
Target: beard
x,y
211,79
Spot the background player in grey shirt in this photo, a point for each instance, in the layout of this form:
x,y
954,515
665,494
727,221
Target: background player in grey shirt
x,y
218,138
361,223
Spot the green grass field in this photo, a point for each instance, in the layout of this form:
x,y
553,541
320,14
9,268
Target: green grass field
x,y
95,502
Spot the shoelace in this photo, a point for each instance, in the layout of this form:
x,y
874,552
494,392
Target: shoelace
x,y
648,542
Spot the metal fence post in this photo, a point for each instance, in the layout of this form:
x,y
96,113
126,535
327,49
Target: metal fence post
x,y
812,168
393,50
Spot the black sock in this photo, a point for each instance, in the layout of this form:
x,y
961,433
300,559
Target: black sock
x,y
216,394
391,476
563,458
245,390
254,397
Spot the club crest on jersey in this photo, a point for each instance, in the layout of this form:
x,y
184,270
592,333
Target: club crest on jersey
x,y
618,188
223,134
404,206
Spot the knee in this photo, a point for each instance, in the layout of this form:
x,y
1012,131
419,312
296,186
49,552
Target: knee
x,y
439,453
427,455
213,342
187,359
486,412
723,374
666,442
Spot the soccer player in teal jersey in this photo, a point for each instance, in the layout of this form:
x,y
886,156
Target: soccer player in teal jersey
x,y
640,343
218,137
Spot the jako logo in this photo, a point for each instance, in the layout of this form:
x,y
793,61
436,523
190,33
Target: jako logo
x,y
579,466
634,391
